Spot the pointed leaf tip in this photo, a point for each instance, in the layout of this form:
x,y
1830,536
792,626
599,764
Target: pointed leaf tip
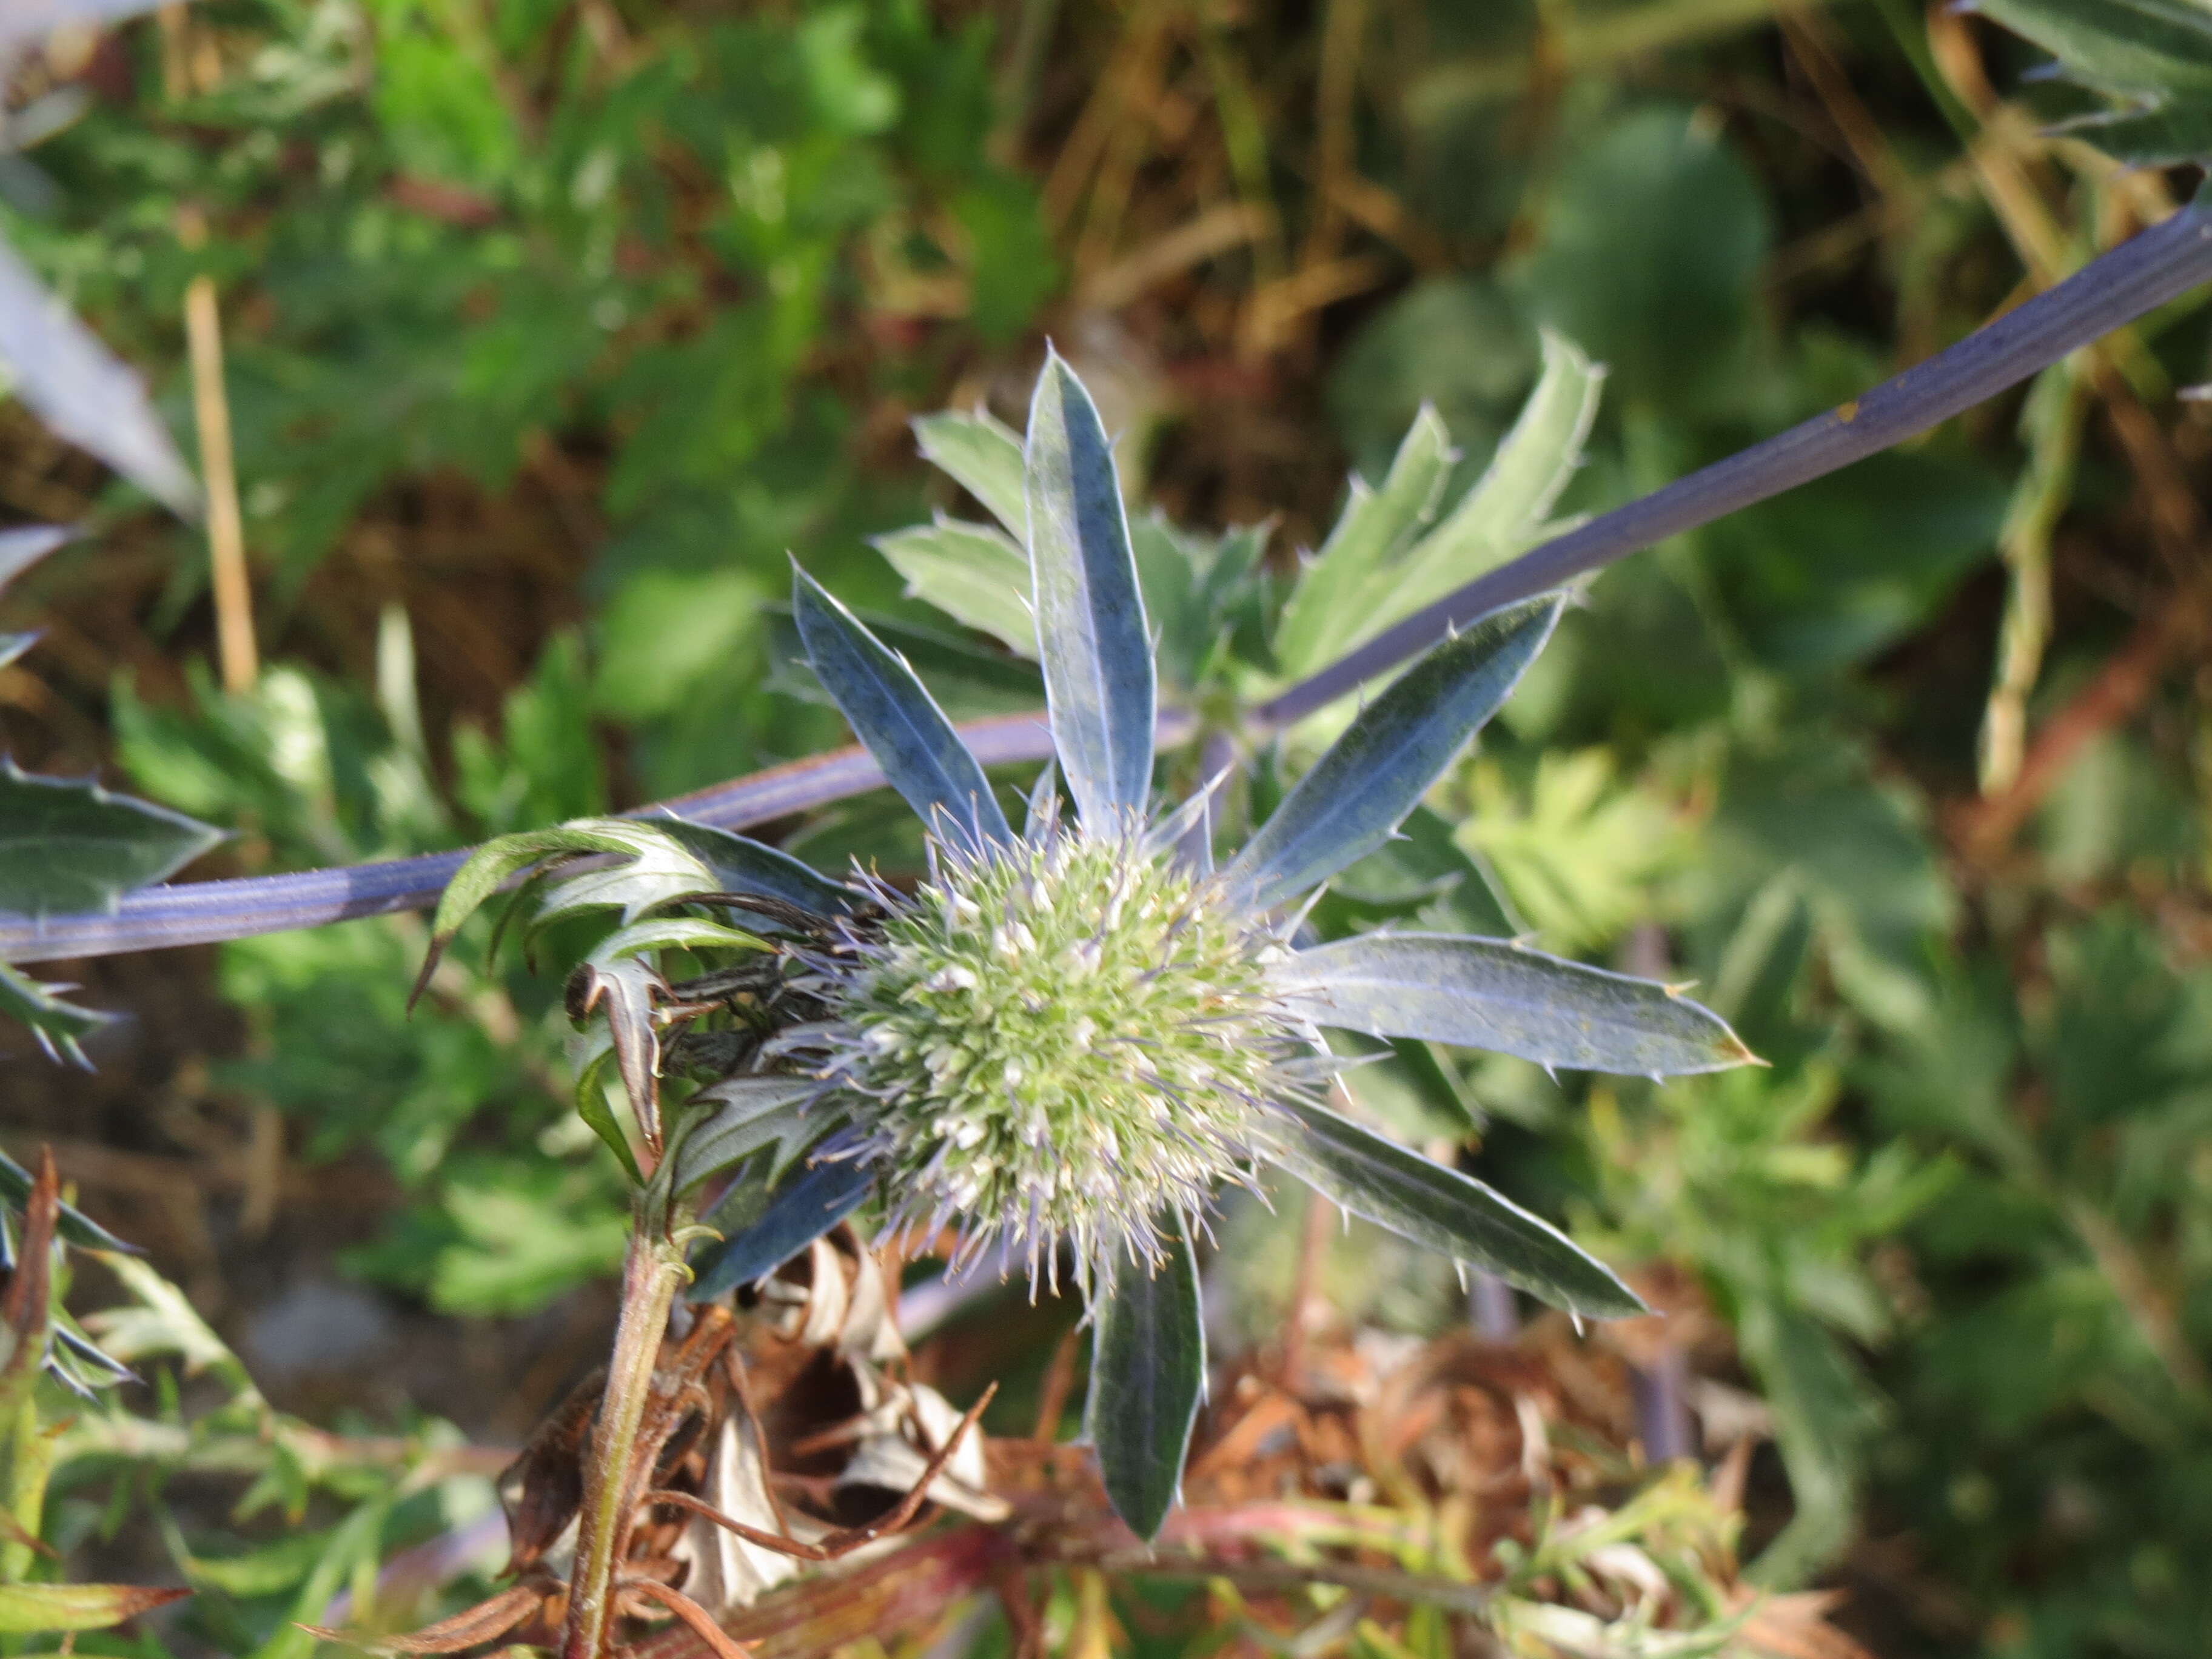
x,y
1362,789
1092,636
1432,1205
1147,1373
1502,996
895,717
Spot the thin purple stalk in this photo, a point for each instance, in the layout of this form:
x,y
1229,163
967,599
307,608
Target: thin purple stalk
x,y
202,912
2141,274
2160,264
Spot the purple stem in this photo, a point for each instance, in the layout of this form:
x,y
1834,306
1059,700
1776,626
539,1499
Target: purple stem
x,y
2138,277
2141,274
197,912
1490,1301
1664,1421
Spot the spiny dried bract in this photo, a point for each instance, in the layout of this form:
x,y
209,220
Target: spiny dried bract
x,y
1063,1038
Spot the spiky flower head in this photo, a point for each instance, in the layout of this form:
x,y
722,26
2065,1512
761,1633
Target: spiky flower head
x,y
1065,1037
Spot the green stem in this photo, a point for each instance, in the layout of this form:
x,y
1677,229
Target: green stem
x,y
652,1274
30,1460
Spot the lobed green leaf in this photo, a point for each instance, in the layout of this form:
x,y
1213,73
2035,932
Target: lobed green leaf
x,y
1506,512
1333,605
69,845
984,458
974,575
734,1119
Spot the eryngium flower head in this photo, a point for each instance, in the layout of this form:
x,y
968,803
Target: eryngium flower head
x,y
1064,1037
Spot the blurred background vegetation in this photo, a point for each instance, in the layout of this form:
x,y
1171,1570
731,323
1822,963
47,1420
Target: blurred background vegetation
x,y
552,324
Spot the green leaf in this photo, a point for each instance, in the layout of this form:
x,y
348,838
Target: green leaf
x,y
671,860
974,575
598,1051
25,1609
264,1571
1447,1212
1505,513
984,456
1092,635
1495,994
1373,775
57,1024
922,756
1147,1373
2153,55
1650,246
20,549
72,1227
1332,607
801,1211
735,1118
2120,46
69,845
82,391
496,862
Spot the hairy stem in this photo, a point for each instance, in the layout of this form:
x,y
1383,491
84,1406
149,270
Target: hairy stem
x,y
652,1274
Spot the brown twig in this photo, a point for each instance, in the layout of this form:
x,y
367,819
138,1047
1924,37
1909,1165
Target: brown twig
x,y
234,589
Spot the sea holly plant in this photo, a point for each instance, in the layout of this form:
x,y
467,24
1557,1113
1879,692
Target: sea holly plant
x,y
1062,1041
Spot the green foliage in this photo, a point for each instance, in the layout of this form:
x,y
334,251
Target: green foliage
x,y
2155,60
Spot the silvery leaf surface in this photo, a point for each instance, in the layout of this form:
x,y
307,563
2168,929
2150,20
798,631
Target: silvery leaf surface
x,y
1335,600
892,715
1445,1211
983,457
1495,994
82,390
1092,640
25,545
1377,771
20,549
1147,1373
799,1212
974,574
